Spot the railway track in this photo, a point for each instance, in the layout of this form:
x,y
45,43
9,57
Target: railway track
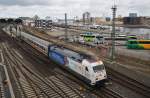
x,y
2,94
71,88
129,83
5,85
107,93
38,83
102,92
29,84
15,74
24,83
66,80
29,80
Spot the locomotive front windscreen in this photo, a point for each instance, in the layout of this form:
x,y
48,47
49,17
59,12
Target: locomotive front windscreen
x,y
98,68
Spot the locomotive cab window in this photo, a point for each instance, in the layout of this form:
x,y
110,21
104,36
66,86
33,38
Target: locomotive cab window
x,y
98,68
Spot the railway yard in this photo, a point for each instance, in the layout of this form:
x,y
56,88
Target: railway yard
x,y
27,73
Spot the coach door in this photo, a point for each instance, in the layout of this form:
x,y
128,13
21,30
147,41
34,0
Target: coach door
x,y
87,72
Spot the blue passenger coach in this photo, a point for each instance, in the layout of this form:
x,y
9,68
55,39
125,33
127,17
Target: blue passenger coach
x,y
56,56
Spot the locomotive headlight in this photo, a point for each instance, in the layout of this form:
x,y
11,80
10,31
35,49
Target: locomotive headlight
x,y
96,77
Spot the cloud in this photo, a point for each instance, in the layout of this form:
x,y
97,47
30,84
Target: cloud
x,y
42,2
23,2
53,8
57,8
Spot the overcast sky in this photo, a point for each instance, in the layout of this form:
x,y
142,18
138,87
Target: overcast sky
x,y
57,8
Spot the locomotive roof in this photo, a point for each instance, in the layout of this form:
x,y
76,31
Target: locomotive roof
x,y
70,53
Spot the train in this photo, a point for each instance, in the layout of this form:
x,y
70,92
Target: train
x,y
86,68
95,38
138,44
132,37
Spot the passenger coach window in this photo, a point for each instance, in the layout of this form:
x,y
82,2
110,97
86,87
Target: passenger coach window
x,y
133,42
144,42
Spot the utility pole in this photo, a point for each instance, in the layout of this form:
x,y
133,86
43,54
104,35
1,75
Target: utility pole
x,y
66,30
114,8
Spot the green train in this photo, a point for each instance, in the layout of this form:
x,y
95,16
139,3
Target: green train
x,y
138,44
91,37
132,37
